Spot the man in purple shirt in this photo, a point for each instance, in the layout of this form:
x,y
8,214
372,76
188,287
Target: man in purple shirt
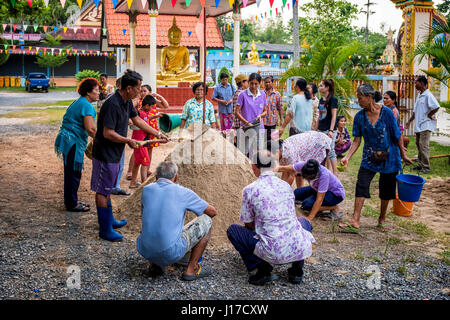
x,y
324,192
272,233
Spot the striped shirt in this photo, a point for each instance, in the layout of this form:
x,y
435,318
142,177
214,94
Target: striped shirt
x,y
274,105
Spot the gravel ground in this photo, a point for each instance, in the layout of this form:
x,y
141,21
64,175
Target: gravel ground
x,y
40,241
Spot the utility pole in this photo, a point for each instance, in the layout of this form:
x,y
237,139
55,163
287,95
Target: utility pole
x,y
368,13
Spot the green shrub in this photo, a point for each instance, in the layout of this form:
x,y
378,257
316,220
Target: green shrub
x,y
225,70
87,74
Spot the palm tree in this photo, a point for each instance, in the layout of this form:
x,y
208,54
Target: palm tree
x,y
437,47
330,61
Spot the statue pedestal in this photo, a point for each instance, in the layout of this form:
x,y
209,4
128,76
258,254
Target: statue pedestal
x,y
177,97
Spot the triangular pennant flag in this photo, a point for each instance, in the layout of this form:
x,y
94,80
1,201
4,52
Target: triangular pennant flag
x,y
271,3
94,30
63,3
104,31
124,31
4,26
230,2
114,3
276,11
67,50
13,3
96,3
14,47
37,49
14,27
30,2
35,27
84,29
268,56
282,55
29,48
284,3
202,2
158,2
217,3
293,2
55,28
265,14
188,3
80,2
21,47
75,29
174,2
189,33
129,3
258,2
65,29
45,28
1,50
288,6
245,3
6,46
25,27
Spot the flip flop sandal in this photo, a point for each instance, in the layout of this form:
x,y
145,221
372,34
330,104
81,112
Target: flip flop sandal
x,y
201,273
85,204
80,208
349,228
129,176
135,186
382,227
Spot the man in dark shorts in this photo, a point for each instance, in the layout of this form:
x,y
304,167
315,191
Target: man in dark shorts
x,y
109,144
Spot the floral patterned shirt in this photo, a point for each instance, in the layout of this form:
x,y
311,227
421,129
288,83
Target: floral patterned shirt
x,y
193,112
305,146
270,203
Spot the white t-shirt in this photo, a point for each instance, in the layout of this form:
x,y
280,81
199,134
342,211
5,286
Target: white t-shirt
x,y
425,103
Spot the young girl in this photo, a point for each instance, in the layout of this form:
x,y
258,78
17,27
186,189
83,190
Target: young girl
x,y
390,101
343,141
160,103
141,154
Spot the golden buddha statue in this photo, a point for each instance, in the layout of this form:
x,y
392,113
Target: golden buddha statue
x,y
253,55
175,61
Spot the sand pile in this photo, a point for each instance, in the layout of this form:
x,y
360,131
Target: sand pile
x,y
210,166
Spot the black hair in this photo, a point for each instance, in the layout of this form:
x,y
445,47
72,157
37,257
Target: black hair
x,y
311,168
269,77
377,96
338,118
329,83
224,75
148,87
393,96
199,84
118,81
301,83
130,78
104,75
314,87
263,159
254,76
422,79
149,100
86,86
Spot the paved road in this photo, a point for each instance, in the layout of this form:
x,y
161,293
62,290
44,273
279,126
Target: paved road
x,y
10,101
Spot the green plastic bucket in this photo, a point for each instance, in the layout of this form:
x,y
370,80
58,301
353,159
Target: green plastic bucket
x,y
169,121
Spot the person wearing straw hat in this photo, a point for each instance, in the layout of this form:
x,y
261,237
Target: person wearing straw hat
x,y
383,152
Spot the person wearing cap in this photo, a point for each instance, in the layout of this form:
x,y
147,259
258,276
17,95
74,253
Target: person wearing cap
x,y
242,84
223,95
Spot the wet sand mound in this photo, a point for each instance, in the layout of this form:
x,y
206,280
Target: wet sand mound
x,y
214,169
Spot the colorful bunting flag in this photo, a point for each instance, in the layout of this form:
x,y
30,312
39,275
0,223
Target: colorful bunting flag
x,y
231,2
217,2
245,3
271,3
30,2
200,25
188,3
63,3
4,26
25,27
55,28
14,27
45,28
104,31
143,2
94,30
124,31
65,29
189,33
114,3
75,29
96,3
129,3
80,2
158,2
35,27
174,2
202,2
258,2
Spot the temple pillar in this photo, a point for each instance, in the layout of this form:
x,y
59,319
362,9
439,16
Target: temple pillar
x,y
236,42
153,15
132,26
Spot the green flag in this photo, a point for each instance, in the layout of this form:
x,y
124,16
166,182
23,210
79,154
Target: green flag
x,y
284,3
35,27
104,31
13,2
188,2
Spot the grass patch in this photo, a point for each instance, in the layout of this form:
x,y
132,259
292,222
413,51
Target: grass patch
x,y
358,255
369,211
375,259
65,103
41,116
446,256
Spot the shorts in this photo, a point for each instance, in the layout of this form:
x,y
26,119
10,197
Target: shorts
x,y
195,230
104,176
387,184
332,153
141,156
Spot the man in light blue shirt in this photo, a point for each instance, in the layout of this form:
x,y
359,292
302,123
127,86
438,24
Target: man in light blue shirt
x,y
164,240
424,122
223,95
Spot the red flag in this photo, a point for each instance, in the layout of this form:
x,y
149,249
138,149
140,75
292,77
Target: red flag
x,y
14,27
174,2
30,2
199,27
271,3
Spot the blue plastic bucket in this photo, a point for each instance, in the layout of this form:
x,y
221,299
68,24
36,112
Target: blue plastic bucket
x,y
409,187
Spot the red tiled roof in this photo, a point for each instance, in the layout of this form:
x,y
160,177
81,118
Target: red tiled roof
x,y
116,22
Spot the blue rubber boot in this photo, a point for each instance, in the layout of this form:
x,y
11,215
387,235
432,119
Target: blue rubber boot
x,y
116,224
105,220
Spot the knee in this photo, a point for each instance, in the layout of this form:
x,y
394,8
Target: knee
x,y
231,231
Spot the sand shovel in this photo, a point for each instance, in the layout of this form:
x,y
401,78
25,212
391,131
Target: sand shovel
x,y
205,128
146,142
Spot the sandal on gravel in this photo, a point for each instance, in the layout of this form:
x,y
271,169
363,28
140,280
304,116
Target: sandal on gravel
x,y
382,227
85,204
135,185
129,176
201,273
80,208
347,227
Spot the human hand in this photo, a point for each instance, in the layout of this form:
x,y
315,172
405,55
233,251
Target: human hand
x,y
280,131
330,134
164,138
407,125
230,102
344,161
132,143
432,117
407,160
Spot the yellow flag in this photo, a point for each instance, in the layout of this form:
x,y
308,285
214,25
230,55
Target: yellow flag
x,y
65,29
80,2
231,2
129,2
